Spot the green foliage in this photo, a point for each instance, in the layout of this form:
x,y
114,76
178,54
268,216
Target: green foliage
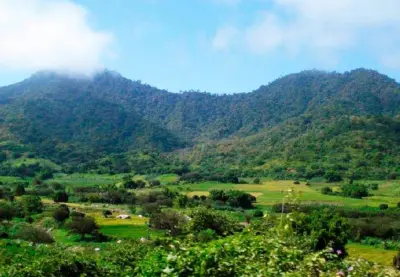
x,y
326,190
383,206
82,225
61,213
171,221
20,190
354,190
6,211
60,196
233,198
31,204
34,234
203,219
326,229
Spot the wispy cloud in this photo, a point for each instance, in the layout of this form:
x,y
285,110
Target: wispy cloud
x,y
51,35
326,29
224,37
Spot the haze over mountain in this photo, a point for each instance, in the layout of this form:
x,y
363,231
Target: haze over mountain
x,y
76,121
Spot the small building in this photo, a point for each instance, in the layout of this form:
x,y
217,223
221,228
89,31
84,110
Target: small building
x,y
124,216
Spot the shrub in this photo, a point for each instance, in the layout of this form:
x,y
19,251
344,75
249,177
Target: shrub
x,y
20,190
206,235
155,183
107,213
61,213
383,206
296,182
258,213
34,234
327,229
83,226
6,212
60,196
233,198
32,204
48,223
257,181
373,186
203,219
354,190
326,190
333,176
172,221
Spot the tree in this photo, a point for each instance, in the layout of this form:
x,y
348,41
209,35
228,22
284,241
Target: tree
x,y
383,207
60,196
107,213
6,212
203,219
326,228
169,220
32,204
155,183
354,190
83,226
333,176
20,190
61,213
326,190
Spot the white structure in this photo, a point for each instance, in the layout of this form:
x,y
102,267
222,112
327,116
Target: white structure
x,y
124,216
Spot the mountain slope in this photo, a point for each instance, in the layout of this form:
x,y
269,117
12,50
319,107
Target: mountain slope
x,y
77,121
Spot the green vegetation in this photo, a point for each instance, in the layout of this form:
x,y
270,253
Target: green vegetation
x,y
110,177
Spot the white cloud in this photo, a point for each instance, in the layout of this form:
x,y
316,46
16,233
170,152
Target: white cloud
x,y
326,29
50,35
224,37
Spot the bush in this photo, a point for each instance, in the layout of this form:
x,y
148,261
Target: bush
x,y
32,204
354,190
327,229
326,190
34,234
258,213
383,207
257,181
48,223
206,235
203,219
61,213
373,186
107,213
155,183
333,176
296,182
172,221
60,196
83,226
233,198
6,212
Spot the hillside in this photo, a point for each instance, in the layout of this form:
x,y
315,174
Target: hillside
x,y
294,122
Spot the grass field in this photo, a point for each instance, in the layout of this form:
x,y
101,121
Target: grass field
x,y
371,253
85,180
270,192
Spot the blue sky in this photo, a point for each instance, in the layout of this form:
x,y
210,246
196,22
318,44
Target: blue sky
x,y
220,46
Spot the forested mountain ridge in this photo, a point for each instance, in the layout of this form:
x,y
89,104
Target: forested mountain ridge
x,y
77,120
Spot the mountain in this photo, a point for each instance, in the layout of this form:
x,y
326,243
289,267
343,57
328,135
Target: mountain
x,y
86,124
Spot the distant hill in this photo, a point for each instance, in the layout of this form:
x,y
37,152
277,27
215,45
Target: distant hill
x,y
295,121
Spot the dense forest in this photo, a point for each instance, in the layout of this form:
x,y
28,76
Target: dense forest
x,y
312,124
